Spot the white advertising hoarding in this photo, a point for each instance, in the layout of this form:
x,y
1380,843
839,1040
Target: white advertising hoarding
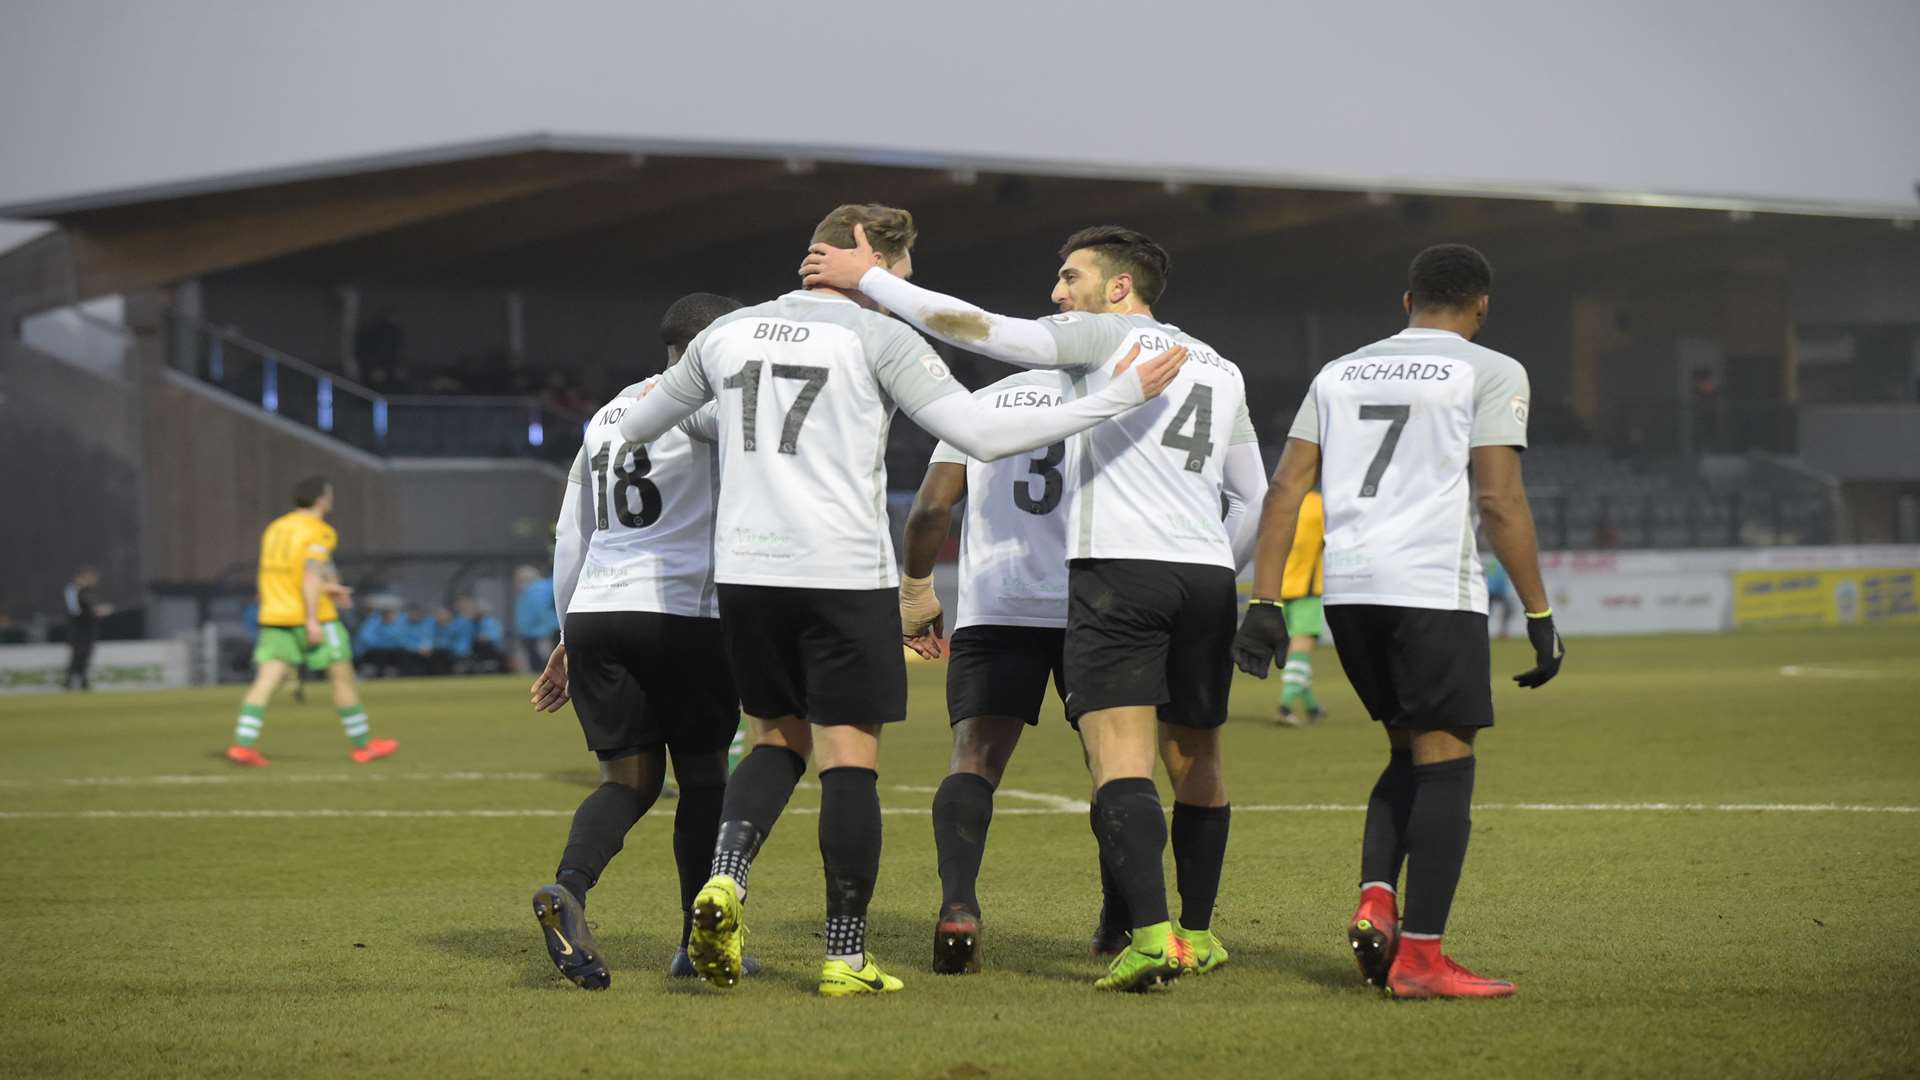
x,y
117,665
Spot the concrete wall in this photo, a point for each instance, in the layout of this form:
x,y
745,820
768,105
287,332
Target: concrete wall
x,y
70,456
219,471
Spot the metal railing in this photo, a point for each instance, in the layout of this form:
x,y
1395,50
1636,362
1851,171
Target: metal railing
x,y
1569,521
391,425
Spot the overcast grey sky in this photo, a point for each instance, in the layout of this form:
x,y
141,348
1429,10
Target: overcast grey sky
x,y
1774,99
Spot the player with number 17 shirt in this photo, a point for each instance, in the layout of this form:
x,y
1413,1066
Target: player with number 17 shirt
x,y
807,385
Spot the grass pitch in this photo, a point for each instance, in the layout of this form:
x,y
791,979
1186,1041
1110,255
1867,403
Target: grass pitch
x,y
172,916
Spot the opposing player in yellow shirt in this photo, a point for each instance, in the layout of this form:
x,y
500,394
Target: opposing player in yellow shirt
x,y
300,624
1300,590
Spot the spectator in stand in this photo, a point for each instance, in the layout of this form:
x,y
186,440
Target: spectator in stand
x,y
84,612
9,633
380,642
488,653
452,642
534,621
378,343
417,641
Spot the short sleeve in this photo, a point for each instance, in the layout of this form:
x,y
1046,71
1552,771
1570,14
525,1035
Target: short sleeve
x,y
1306,422
946,455
1085,340
321,541
1242,427
1500,400
912,374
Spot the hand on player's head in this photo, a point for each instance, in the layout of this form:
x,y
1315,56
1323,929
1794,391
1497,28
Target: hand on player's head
x,y
838,268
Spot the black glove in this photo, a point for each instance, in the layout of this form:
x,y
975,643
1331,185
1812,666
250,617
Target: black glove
x,y
1548,651
1262,634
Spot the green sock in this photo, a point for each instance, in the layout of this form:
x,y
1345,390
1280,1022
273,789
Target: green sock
x,y
354,719
246,730
1296,679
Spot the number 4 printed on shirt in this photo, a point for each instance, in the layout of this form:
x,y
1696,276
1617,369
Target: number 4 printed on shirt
x,y
1199,445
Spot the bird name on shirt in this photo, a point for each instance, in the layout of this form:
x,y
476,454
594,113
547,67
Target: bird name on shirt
x,y
1399,369
774,331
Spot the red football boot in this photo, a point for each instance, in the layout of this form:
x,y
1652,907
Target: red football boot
x,y
1421,970
246,755
1374,932
375,750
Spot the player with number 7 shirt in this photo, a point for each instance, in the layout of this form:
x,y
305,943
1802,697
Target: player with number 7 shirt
x,y
807,385
1151,601
1415,440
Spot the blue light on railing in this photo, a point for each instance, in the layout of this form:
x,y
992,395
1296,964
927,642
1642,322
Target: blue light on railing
x,y
270,386
324,397
217,362
536,434
380,420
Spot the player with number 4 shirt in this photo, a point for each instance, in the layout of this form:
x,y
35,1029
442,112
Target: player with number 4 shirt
x,y
1151,600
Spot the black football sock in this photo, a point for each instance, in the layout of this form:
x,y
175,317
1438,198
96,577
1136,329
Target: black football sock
x,y
599,831
962,810
1199,851
1133,836
1437,842
850,854
757,792
1114,916
696,823
1383,841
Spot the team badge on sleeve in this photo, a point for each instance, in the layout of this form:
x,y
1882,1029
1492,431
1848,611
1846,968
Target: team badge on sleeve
x,y
1520,409
935,367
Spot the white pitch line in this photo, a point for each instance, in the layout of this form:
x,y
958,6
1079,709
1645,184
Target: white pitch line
x,y
1817,672
911,811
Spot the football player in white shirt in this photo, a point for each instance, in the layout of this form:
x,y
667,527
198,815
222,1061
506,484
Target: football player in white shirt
x,y
1009,632
640,652
808,585
1409,437
1151,595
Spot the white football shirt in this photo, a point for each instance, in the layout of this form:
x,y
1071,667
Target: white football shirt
x,y
651,548
1149,482
807,385
1013,536
1396,422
